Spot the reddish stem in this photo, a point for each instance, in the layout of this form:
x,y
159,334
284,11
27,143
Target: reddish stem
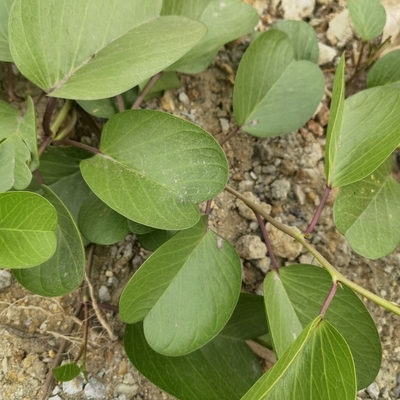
x,y
329,299
79,145
319,210
146,90
267,242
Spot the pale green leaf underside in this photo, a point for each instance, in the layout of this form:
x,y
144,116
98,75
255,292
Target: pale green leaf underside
x,y
65,270
67,372
96,49
5,6
385,71
370,133
225,21
368,16
18,149
335,119
368,213
27,225
318,365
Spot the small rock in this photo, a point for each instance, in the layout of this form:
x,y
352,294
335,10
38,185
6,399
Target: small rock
x,y
224,123
251,247
315,127
104,294
312,154
339,31
56,397
95,389
253,225
73,387
373,391
280,189
309,177
326,54
5,279
297,9
284,246
263,264
183,98
129,390
248,213
300,195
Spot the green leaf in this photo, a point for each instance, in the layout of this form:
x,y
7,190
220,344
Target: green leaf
x,y
335,120
368,17
66,372
99,223
283,321
307,287
223,369
167,81
59,167
318,365
274,94
303,38
370,133
385,71
186,291
368,213
139,229
155,167
225,21
18,149
153,240
27,225
93,50
65,270
5,6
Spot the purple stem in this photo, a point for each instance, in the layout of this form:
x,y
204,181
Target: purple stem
x,y
319,210
208,207
44,145
47,116
39,177
329,299
229,136
79,145
146,90
267,242
120,103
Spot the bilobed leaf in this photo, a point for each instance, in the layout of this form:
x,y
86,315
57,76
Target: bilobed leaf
x,y
335,119
96,49
284,324
99,223
307,287
155,167
67,372
223,369
318,365
225,21
185,291
27,225
65,270
370,133
303,38
368,17
274,94
18,148
368,213
5,6
385,71
153,240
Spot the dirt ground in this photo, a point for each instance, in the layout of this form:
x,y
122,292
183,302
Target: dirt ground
x,y
285,172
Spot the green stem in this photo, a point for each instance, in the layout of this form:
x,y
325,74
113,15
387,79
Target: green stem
x,y
65,131
335,274
61,116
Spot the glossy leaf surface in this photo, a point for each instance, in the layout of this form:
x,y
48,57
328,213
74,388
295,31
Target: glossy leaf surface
x,y
5,6
18,149
96,49
65,270
385,71
368,213
225,21
27,230
318,365
185,291
155,167
274,94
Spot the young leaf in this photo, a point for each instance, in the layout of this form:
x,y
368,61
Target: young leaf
x,y
317,365
335,120
94,50
27,225
370,133
303,38
99,223
67,372
225,21
155,167
18,148
307,287
186,291
368,213
385,71
368,16
274,94
223,369
5,6
65,270
153,240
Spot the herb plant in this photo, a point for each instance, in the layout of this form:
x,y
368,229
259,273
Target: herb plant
x,y
186,321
